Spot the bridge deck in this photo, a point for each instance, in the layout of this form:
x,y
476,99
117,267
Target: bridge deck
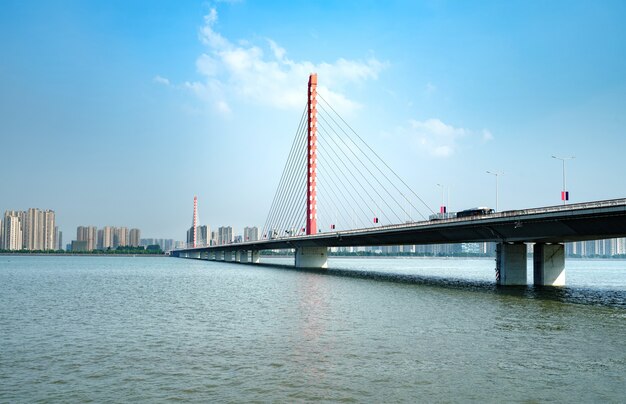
x,y
554,224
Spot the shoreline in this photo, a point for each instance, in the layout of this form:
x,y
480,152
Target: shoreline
x,y
78,255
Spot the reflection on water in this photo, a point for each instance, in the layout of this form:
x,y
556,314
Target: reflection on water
x,y
80,329
389,271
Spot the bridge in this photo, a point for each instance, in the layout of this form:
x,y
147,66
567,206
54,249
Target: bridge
x,y
346,185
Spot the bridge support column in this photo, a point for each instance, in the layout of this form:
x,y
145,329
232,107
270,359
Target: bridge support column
x,y
549,264
220,256
244,257
312,257
511,264
256,257
228,256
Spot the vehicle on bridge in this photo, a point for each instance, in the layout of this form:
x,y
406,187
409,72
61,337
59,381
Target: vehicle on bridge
x,y
480,211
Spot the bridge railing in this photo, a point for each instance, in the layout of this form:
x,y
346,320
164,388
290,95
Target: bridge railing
x,y
498,215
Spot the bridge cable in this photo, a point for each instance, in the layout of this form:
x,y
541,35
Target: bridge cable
x,y
371,173
357,180
289,190
368,170
379,158
361,173
291,198
324,186
288,172
331,182
357,201
276,199
380,211
294,206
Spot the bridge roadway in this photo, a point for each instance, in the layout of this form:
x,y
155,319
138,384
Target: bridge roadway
x,y
547,227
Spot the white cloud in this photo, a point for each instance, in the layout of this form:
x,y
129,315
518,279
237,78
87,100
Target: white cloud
x,y
438,139
430,88
266,76
435,137
210,91
207,65
161,80
223,108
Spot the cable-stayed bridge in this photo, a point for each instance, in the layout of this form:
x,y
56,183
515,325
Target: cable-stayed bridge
x,y
336,191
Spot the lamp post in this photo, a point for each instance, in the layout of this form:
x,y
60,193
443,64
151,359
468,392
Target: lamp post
x,y
442,209
496,174
564,193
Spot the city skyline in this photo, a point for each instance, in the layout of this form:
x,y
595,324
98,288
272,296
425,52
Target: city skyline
x,y
32,229
140,106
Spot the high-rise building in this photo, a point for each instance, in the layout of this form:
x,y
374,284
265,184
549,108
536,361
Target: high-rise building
x,y
33,230
134,237
12,235
107,237
100,239
250,233
59,240
165,244
189,238
225,235
49,233
89,234
37,229
120,237
203,235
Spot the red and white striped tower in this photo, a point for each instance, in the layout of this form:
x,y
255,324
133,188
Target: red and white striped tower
x,y
311,193
195,219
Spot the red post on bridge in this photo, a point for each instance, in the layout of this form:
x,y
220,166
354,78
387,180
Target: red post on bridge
x,y
311,193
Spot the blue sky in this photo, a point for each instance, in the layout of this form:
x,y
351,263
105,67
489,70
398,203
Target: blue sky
x,y
118,113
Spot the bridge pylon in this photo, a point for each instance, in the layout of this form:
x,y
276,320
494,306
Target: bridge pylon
x,y
311,190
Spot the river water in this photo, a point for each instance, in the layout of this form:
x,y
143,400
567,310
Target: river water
x,y
110,329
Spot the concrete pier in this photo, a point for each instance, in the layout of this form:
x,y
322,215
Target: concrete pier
x,y
256,257
511,264
228,256
244,257
311,257
549,264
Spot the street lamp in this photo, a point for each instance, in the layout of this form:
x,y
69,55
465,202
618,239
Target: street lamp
x,y
564,193
497,174
442,209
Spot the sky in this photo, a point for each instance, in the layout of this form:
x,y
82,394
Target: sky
x,y
118,113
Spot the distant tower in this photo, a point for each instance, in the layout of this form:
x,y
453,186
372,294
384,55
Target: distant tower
x,y
195,219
